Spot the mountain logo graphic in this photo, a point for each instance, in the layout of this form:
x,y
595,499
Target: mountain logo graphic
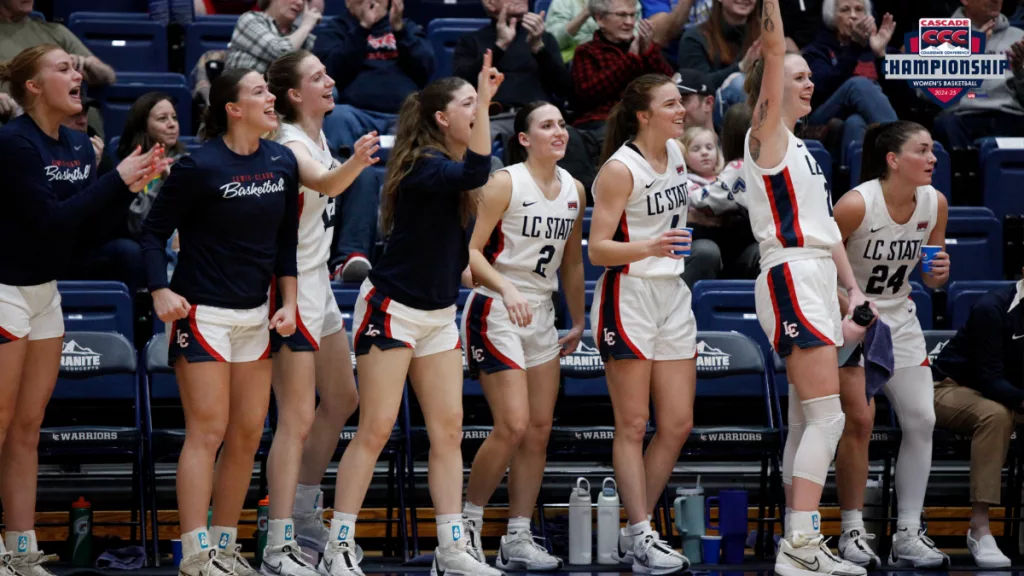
x,y
711,358
586,357
934,352
77,358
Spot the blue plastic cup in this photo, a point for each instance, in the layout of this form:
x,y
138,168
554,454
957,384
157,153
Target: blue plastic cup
x,y
176,552
684,249
711,548
928,254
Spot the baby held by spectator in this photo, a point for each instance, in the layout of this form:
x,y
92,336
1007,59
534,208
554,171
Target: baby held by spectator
x,y
711,181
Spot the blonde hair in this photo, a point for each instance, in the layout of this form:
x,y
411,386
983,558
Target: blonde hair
x,y
23,68
695,132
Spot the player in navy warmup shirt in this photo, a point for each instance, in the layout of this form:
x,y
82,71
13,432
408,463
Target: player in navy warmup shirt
x,y
235,204
405,315
50,190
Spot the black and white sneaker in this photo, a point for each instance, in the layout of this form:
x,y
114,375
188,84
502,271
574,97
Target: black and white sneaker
x,y
853,547
652,555
474,527
456,560
286,560
808,555
339,559
523,553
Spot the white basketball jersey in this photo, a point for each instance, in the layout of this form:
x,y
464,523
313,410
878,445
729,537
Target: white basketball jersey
x,y
657,204
527,244
882,252
316,211
790,206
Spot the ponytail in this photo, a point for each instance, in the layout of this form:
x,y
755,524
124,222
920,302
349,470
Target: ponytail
x,y
879,141
22,68
621,126
223,91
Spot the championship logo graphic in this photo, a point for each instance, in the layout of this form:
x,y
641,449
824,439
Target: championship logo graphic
x,y
945,59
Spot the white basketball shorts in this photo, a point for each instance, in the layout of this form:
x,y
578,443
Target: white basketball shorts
x,y
797,304
493,343
32,311
211,334
387,324
317,314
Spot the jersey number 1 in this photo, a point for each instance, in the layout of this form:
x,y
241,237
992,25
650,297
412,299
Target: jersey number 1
x,y
546,254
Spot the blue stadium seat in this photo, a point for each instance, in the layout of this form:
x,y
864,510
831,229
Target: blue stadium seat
x,y
817,149
204,34
77,17
923,300
443,33
346,298
942,178
974,241
541,5
118,98
334,7
97,306
138,47
62,9
1002,173
590,272
964,293
37,15
426,11
98,383
728,305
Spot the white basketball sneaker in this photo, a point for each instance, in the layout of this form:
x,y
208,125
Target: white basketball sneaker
x,y
339,559
286,560
522,553
652,555
853,547
456,560
312,534
911,550
205,564
808,555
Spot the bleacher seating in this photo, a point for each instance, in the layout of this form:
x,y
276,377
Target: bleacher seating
x,y
140,46
443,33
942,178
97,306
204,34
726,305
923,302
974,241
118,98
426,11
964,293
96,410
1002,172
62,9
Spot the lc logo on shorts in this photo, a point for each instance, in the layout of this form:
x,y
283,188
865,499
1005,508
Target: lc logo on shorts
x,y
791,325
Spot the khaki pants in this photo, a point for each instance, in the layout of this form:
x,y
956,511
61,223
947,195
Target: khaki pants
x,y
989,424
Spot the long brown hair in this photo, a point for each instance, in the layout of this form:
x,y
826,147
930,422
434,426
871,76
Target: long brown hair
x,y
879,140
282,76
718,47
23,68
223,90
417,135
136,127
622,122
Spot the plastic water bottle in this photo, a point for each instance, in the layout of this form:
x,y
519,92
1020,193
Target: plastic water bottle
x,y
608,522
80,533
262,523
581,524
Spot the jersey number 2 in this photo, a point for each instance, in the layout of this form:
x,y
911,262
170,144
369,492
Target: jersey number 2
x,y
880,279
546,254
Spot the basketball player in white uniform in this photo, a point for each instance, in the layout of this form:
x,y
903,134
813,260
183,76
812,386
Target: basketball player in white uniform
x,y
884,222
528,231
641,315
790,209
316,356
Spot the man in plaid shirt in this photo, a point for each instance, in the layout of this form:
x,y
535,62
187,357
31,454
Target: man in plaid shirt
x,y
603,67
262,37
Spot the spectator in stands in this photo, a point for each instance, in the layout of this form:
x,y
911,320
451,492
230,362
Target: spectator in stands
x,y
979,392
670,17
80,123
723,244
844,60
570,22
724,47
802,20
377,57
151,120
996,108
18,31
260,38
698,97
534,71
51,192
603,67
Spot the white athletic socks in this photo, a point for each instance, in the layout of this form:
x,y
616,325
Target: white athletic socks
x,y
808,523
449,530
472,511
517,525
852,520
343,527
195,542
280,532
22,542
307,499
226,537
638,528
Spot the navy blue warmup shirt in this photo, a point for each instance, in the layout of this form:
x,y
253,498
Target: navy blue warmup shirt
x,y
427,251
238,222
49,189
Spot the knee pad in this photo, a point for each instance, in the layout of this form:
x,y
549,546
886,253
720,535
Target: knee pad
x,y
825,421
795,422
